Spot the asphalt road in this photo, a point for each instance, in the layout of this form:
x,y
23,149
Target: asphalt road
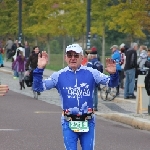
x,y
29,124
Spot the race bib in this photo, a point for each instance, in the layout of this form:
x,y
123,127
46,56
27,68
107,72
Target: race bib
x,y
79,126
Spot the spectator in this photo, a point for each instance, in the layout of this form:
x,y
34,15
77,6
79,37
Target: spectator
x,y
140,63
123,49
1,54
19,65
8,47
147,77
85,59
142,59
33,59
20,47
14,47
27,50
95,64
147,62
117,58
32,62
15,76
1,57
130,67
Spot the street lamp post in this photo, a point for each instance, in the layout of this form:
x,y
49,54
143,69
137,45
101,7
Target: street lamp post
x,y
88,34
20,21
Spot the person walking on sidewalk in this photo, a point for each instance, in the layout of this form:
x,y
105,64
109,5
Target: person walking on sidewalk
x,y
130,68
75,84
19,65
8,47
27,50
32,62
14,48
1,57
1,54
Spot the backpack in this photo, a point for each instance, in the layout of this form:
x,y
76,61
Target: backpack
x,y
97,65
147,83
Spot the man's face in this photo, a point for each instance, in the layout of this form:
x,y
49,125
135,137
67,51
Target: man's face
x,y
73,59
148,53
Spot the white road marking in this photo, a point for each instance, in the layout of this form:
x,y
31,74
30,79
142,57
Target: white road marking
x,y
46,112
10,129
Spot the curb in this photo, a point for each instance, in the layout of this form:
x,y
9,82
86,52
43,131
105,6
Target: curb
x,y
121,100
6,71
137,123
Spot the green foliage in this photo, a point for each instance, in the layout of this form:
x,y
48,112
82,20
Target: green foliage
x,y
99,15
68,18
125,17
55,47
56,62
8,17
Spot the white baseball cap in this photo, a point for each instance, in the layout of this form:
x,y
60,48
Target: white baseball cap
x,y
74,47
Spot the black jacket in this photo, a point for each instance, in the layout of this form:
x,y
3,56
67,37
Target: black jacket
x,y
131,59
32,61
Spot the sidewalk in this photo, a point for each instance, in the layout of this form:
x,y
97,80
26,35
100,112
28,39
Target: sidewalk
x,y
119,109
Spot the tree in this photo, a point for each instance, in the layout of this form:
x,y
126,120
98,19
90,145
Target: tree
x,y
55,47
100,20
128,17
8,17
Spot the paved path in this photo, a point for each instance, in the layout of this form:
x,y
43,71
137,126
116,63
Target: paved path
x,y
29,124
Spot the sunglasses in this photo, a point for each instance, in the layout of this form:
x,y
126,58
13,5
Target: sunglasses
x,y
69,55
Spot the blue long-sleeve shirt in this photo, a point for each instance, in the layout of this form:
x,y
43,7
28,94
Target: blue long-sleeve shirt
x,y
117,57
75,87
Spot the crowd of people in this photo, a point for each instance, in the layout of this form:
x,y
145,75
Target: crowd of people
x,y
23,60
136,58
131,61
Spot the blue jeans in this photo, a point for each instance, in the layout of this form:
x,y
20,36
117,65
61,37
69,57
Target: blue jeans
x,y
16,73
129,83
1,59
95,97
87,139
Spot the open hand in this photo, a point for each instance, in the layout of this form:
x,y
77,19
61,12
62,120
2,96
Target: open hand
x,y
42,60
110,66
3,89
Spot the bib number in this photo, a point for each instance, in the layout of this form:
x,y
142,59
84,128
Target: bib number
x,y
79,126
